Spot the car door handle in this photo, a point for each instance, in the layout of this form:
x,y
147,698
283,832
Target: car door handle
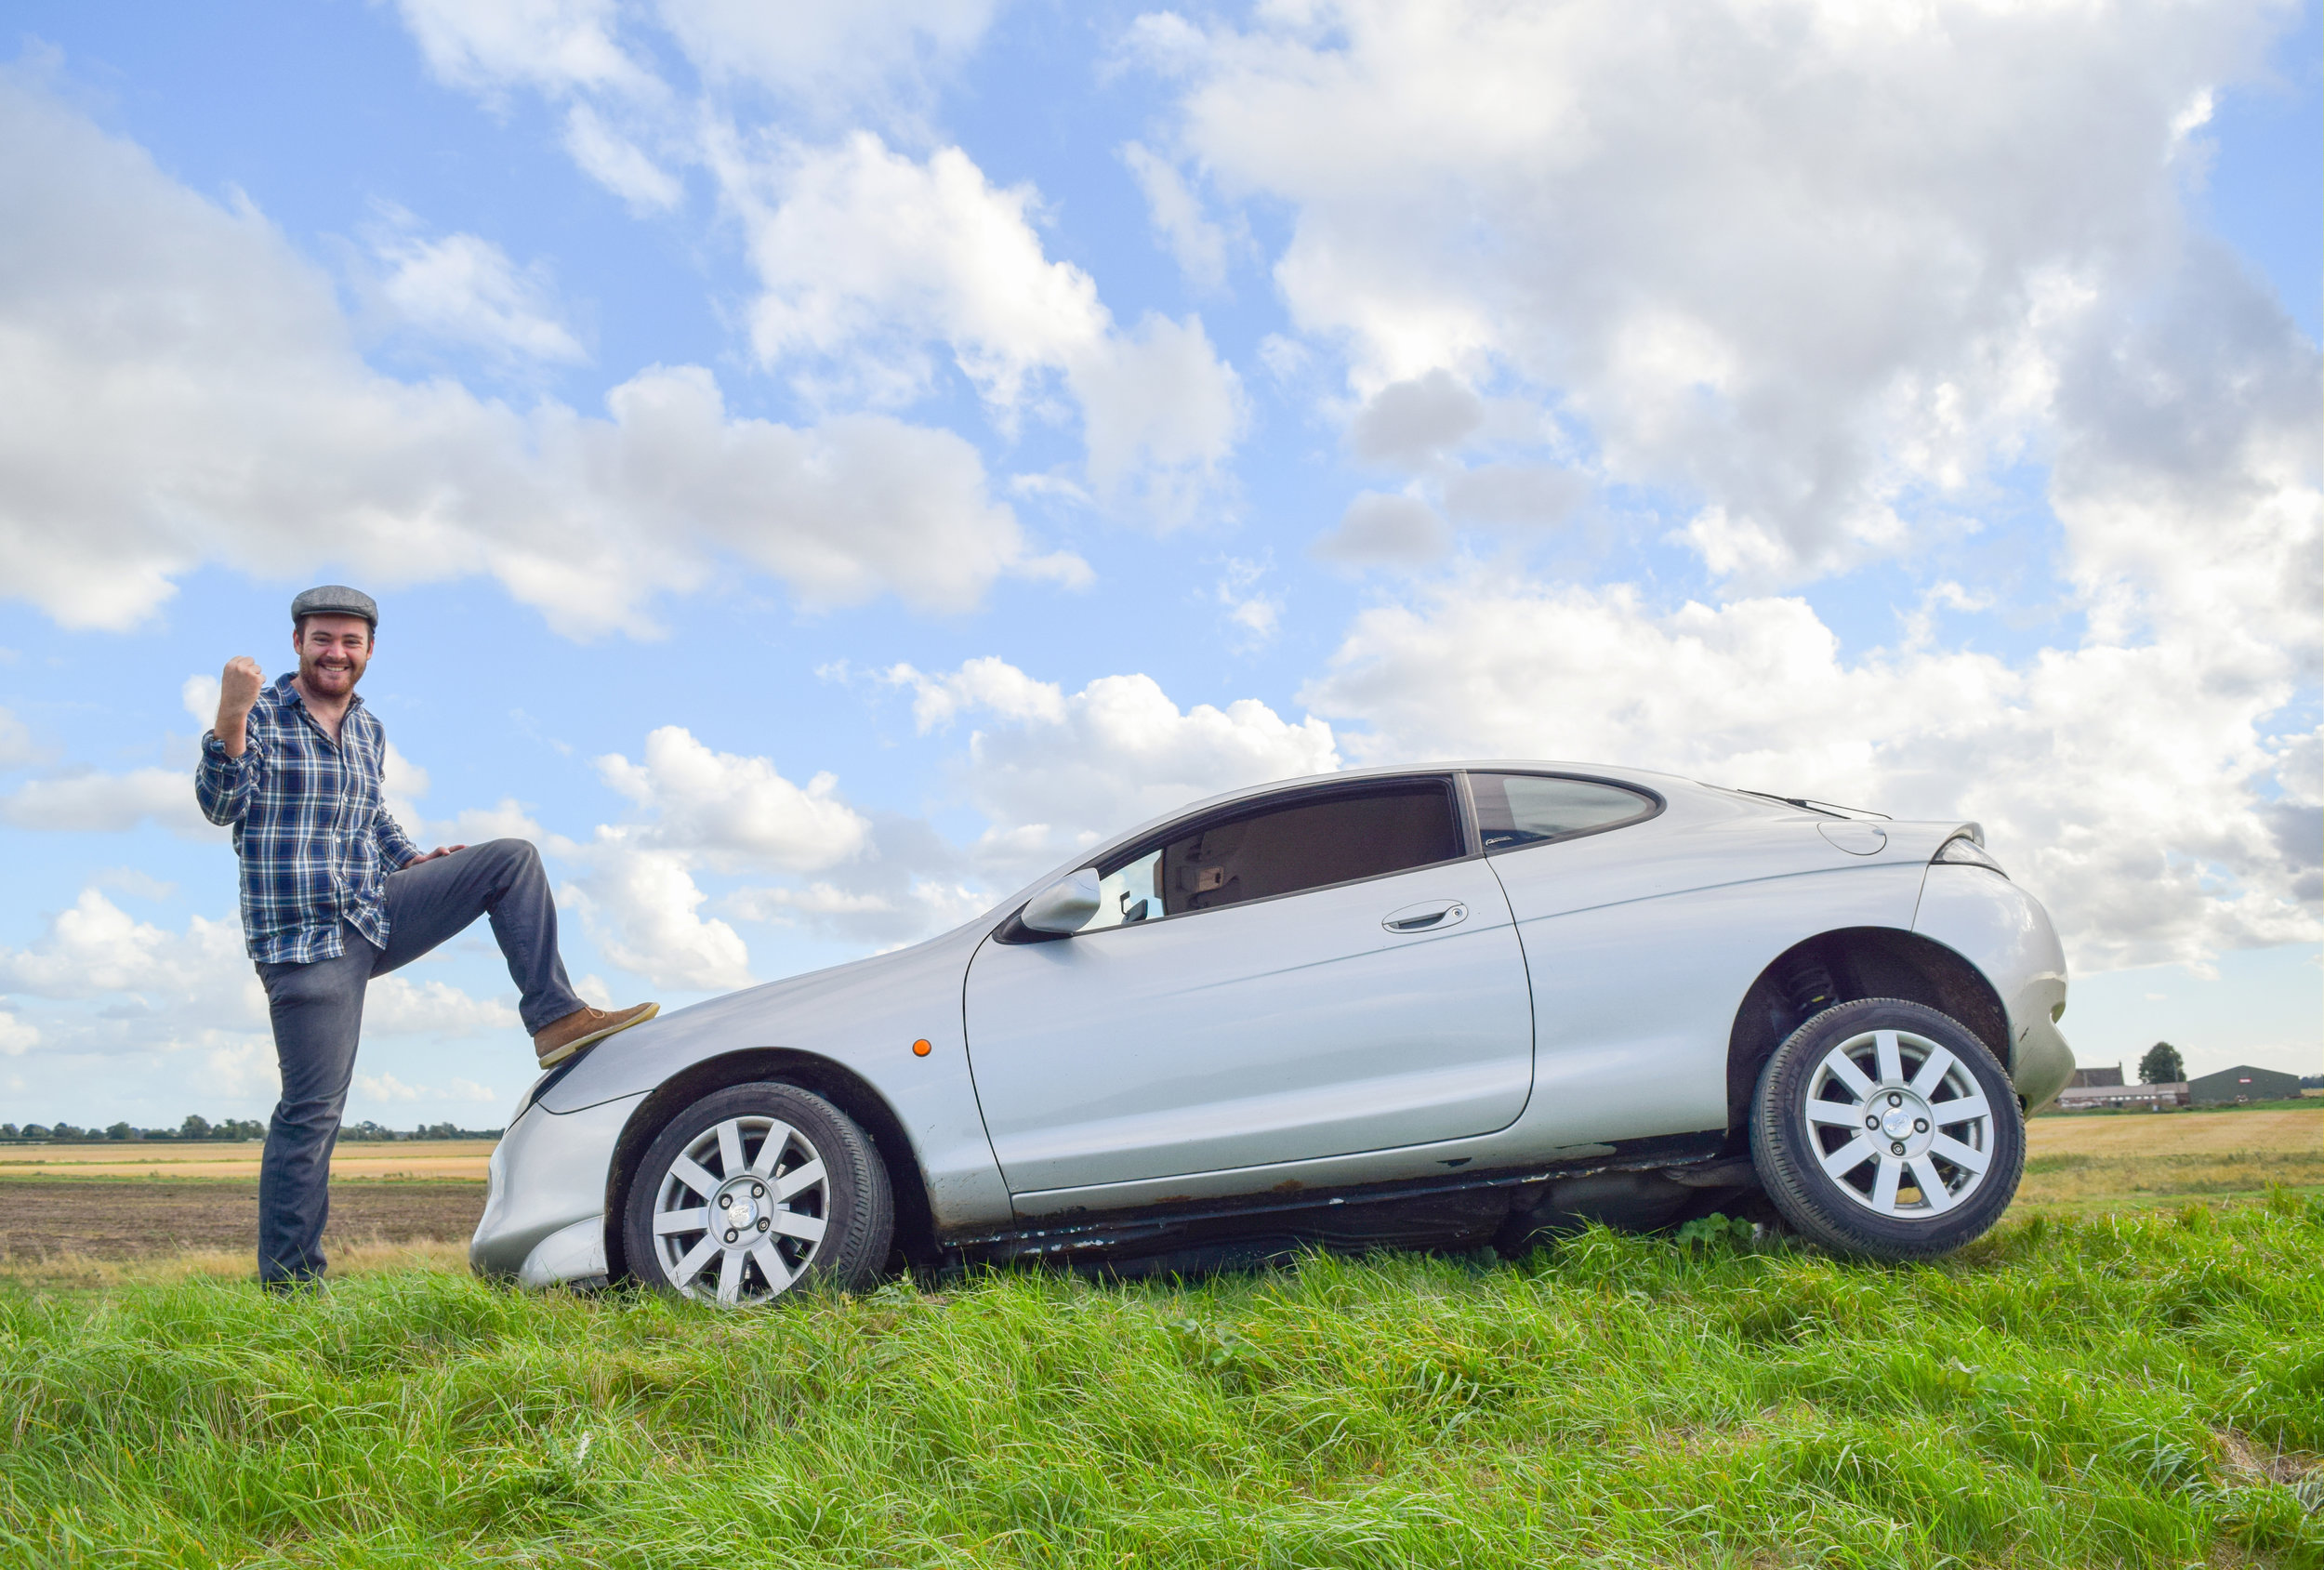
x,y
1434,916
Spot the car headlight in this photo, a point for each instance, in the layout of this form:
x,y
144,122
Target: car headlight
x,y
1961,851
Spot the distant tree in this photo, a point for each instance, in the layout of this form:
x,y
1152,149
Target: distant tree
x,y
68,1131
120,1131
35,1130
8,1131
195,1127
2161,1065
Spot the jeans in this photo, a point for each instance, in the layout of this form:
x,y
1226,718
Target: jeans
x,y
318,1013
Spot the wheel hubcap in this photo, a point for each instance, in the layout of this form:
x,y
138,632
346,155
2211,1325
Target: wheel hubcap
x,y
740,1215
1899,1124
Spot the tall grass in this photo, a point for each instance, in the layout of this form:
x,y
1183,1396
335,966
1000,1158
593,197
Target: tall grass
x,y
2146,1391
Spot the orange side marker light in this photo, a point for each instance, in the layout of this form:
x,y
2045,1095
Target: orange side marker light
x,y
920,1049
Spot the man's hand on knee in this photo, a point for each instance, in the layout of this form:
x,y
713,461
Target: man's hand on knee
x,y
439,851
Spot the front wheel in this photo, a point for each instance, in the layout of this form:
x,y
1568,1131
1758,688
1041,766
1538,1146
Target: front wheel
x,y
754,1191
1885,1128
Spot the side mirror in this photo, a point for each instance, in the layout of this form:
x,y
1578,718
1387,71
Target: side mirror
x,y
1066,905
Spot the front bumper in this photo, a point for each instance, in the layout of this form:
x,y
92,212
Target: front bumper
x,y
544,1200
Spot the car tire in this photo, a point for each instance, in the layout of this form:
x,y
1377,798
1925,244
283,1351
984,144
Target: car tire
x,y
803,1187
1886,1129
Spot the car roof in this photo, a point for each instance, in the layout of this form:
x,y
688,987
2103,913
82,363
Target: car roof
x,y
1652,779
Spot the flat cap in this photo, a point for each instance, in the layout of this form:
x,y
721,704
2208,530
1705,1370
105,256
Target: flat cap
x,y
336,600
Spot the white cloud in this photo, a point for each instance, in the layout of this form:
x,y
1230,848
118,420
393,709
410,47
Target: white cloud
x,y
1160,414
556,45
464,289
733,812
387,1087
199,694
1407,423
1816,265
868,257
1197,245
865,250
1379,528
133,880
2114,782
398,1006
1255,614
617,162
643,906
987,682
177,387
1055,777
89,802
1515,496
871,53
707,811
202,977
17,1038
17,747
899,912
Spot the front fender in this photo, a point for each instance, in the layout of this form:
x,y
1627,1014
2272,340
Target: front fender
x,y
2005,934
865,1017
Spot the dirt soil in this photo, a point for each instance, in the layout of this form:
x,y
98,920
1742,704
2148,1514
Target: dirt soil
x,y
135,1218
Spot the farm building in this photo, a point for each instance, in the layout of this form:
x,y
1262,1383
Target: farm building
x,y
2120,1097
2086,1078
2242,1083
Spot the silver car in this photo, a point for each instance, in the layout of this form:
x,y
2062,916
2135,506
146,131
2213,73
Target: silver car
x,y
1452,1005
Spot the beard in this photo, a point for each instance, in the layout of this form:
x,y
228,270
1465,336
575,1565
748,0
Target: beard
x,y
330,675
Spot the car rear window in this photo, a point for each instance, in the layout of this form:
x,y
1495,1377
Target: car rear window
x,y
1337,838
1514,809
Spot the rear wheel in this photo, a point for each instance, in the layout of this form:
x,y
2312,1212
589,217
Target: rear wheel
x,y
1886,1129
753,1191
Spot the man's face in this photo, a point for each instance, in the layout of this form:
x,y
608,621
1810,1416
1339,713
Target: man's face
x,y
332,653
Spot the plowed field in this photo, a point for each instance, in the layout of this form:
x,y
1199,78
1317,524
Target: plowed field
x,y
138,1218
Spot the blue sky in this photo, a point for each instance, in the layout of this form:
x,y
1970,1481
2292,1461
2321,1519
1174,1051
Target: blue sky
x,y
820,466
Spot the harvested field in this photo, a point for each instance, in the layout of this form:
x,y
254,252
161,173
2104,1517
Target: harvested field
x,y
411,1158
2106,1166
2178,1133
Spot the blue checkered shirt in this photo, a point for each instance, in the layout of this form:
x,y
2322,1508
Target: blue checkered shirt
x,y
314,837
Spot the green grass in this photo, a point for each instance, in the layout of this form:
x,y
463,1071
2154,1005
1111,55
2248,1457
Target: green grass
x,y
2144,1391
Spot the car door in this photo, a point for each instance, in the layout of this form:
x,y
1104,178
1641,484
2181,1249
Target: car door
x,y
1321,974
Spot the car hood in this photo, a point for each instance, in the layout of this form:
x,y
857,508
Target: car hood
x,y
798,1012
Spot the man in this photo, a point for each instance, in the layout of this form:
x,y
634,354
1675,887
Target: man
x,y
334,892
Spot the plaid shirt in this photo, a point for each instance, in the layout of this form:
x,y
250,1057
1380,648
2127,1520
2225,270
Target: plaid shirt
x,y
315,841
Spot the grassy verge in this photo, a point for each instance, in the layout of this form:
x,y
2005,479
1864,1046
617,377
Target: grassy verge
x,y
2133,1391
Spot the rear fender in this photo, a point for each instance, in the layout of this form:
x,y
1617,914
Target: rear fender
x,y
1863,962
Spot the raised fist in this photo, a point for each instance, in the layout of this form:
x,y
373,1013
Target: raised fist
x,y
238,687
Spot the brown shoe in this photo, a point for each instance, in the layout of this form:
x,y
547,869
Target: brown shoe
x,y
583,1026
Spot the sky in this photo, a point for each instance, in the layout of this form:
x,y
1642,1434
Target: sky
x,y
821,466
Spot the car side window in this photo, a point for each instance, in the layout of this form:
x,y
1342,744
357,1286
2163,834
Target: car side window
x,y
1334,838
1129,894
1514,809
